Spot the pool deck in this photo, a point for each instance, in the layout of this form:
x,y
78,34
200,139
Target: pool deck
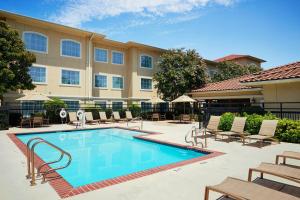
x,y
184,182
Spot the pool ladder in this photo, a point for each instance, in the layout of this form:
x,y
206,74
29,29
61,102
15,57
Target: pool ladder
x,y
31,160
193,134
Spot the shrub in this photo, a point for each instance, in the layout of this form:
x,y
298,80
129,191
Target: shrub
x,y
288,130
53,108
4,120
135,110
226,121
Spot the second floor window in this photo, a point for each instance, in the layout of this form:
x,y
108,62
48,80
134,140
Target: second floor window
x,y
117,57
117,82
35,42
100,81
146,61
101,55
69,77
146,84
70,48
37,74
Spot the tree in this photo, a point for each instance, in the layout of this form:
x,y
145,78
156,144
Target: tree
x,y
14,61
180,71
228,70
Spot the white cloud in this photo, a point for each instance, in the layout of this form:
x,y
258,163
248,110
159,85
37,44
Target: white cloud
x,y
77,12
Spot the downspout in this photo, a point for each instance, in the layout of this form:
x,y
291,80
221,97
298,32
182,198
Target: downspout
x,y
89,50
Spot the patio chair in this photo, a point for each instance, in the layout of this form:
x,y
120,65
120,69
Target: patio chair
x,y
288,154
103,117
117,117
155,116
25,120
243,190
73,119
291,173
37,120
266,132
130,118
237,129
186,118
213,124
90,119
163,116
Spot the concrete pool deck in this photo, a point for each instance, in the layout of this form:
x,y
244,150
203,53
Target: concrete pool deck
x,y
185,182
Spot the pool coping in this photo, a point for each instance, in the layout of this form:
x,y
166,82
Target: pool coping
x,y
65,189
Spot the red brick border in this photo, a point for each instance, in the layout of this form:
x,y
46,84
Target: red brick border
x,y
64,189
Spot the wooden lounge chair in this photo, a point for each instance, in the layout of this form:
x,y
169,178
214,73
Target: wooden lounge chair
x,y
266,132
288,154
283,171
73,119
130,118
186,118
213,124
90,119
37,120
25,120
103,117
155,116
243,190
237,129
117,117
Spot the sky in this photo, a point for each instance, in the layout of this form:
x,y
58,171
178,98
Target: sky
x,y
267,29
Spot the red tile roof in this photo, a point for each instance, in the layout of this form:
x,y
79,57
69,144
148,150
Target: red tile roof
x,y
230,84
235,56
288,71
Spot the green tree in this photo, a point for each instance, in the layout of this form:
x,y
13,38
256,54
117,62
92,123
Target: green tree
x,y
228,70
180,71
14,61
53,108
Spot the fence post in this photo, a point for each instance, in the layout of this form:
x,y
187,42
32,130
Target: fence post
x,y
281,116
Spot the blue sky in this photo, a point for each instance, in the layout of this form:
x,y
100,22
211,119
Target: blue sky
x,y
268,29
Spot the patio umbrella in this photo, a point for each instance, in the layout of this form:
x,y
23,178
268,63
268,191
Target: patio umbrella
x,y
155,100
34,97
184,99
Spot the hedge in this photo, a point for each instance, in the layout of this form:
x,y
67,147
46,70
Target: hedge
x,y
287,130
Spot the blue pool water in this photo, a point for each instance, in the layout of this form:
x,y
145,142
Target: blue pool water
x,y
102,154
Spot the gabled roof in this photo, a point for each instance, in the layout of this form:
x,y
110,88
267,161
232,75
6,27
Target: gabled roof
x,y
230,84
289,71
236,56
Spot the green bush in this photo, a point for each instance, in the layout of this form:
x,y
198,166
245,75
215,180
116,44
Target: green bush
x,y
226,121
135,110
4,117
53,108
288,130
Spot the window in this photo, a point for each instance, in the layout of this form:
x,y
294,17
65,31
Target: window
x,y
101,55
146,61
31,107
117,105
36,42
37,74
69,77
146,83
100,81
101,104
72,105
70,48
146,107
117,57
117,82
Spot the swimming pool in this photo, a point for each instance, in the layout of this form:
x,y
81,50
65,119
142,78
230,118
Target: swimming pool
x,y
109,153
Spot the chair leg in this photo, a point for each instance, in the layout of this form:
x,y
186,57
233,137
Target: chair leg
x,y
206,195
250,175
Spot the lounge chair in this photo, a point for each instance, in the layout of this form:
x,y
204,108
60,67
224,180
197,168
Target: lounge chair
x,y
103,117
186,118
117,117
90,119
243,190
266,132
37,120
130,118
288,154
237,129
25,120
155,116
73,119
283,171
213,124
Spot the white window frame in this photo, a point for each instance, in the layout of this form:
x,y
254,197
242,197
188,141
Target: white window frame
x,y
95,54
146,77
70,85
112,58
46,74
61,41
112,82
143,54
38,33
103,74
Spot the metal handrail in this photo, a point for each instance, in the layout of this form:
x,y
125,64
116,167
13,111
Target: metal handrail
x,y
30,159
190,132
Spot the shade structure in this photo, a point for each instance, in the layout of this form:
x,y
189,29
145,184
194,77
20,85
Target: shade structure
x,y
183,99
34,97
155,100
